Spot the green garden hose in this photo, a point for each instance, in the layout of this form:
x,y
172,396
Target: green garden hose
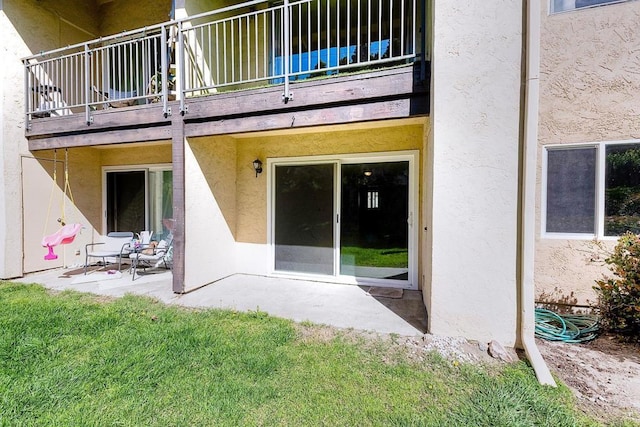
x,y
571,328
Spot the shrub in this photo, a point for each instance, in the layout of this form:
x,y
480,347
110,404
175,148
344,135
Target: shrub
x,y
619,296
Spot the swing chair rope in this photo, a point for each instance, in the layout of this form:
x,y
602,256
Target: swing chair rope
x,y
53,187
67,186
66,190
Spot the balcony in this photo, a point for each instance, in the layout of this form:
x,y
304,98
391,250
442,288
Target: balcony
x,y
240,62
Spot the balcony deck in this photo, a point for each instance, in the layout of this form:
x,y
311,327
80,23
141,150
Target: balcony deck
x,y
244,68
376,95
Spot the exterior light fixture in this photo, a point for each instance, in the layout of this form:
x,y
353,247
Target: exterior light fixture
x,y
368,173
257,166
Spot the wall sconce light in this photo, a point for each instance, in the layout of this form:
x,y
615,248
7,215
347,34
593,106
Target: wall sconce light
x,y
368,172
257,166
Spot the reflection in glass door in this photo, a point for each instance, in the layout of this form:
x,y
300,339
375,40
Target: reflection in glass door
x,y
160,202
304,217
373,227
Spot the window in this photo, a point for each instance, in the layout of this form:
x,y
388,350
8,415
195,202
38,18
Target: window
x,y
571,183
139,199
593,190
565,5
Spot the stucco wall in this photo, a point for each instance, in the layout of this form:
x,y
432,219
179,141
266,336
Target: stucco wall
x,y
27,26
476,77
43,205
125,15
146,153
45,25
210,210
252,192
227,204
589,86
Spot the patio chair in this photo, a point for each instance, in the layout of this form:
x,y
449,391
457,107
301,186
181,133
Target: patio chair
x,y
114,245
152,255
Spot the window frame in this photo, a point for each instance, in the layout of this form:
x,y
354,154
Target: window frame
x,y
552,10
600,186
410,156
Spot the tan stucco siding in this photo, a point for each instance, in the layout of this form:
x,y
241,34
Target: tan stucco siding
x,y
589,86
216,161
135,155
252,192
125,15
49,25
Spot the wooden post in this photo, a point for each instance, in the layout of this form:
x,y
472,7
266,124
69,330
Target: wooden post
x,y
177,144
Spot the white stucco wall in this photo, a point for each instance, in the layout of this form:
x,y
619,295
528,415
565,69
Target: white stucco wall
x,y
210,176
473,153
589,89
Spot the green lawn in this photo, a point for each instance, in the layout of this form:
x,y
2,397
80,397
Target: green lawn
x,y
372,257
75,359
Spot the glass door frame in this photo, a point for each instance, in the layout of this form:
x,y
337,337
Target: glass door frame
x,y
410,156
130,168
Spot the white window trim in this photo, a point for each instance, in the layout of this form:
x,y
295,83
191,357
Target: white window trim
x,y
411,156
146,168
552,11
600,147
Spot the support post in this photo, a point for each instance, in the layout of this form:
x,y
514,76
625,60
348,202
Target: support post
x,y
177,144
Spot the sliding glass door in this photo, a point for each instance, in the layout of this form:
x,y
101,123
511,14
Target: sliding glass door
x,y
374,233
345,219
304,212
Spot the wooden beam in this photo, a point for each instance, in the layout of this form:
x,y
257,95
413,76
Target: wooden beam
x,y
140,115
392,109
391,83
101,138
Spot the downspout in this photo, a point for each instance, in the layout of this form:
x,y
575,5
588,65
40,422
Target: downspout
x,y
529,147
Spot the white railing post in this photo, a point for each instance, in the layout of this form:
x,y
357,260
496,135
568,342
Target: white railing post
x,y
87,85
181,71
286,95
28,98
164,72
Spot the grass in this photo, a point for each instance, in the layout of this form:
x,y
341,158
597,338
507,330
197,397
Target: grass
x,y
372,257
75,359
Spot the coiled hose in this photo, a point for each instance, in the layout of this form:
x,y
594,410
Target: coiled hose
x,y
570,328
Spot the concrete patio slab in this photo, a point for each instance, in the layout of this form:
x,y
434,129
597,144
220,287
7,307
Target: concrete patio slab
x,y
343,306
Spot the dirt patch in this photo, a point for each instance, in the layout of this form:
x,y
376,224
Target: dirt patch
x,y
604,375
392,346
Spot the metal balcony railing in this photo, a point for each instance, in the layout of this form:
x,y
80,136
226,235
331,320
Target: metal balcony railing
x,y
243,46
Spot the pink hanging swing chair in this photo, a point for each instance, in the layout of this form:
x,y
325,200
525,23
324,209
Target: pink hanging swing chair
x,y
67,233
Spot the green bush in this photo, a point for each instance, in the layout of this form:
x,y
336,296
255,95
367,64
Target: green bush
x,y
619,296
